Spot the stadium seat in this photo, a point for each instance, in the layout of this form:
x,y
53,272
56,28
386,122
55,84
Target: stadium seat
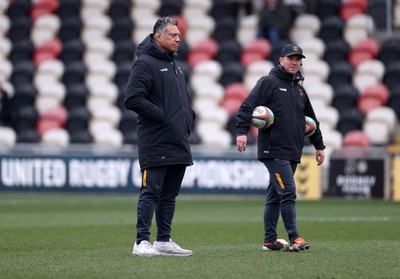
x,y
372,67
80,137
320,91
326,8
366,103
255,71
20,29
205,72
93,8
363,50
228,51
124,52
22,73
232,72
68,9
201,51
5,46
221,9
72,51
358,27
47,50
119,9
350,119
315,71
225,29
8,136
18,9
258,49
45,28
200,28
25,118
121,29
332,28
28,136
380,125
170,7
56,137
385,115
76,96
394,100
24,95
341,73
74,73
363,80
305,26
43,7
21,50
78,119
379,91
392,73
6,69
356,138
389,50
351,8
313,48
336,51
247,29
50,71
345,97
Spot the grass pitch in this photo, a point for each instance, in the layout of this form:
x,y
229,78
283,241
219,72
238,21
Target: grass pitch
x,y
91,236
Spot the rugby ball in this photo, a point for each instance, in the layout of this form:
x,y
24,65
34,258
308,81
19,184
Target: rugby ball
x,y
262,117
311,126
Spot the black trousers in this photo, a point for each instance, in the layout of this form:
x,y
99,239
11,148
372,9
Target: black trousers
x,y
281,199
160,187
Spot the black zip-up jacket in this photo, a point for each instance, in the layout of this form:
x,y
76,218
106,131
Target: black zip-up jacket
x,y
158,93
281,92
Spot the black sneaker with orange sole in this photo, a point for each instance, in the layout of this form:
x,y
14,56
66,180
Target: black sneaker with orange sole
x,y
299,244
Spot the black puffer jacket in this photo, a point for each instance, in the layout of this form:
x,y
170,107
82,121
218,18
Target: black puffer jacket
x,y
158,93
282,93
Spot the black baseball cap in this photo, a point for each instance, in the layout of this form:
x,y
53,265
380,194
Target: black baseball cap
x,y
292,49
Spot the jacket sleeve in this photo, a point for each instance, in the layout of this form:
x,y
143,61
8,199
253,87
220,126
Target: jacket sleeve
x,y
137,93
254,99
315,139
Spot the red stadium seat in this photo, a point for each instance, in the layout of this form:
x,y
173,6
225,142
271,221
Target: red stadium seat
x,y
363,50
205,50
353,7
356,138
259,49
48,50
231,105
367,103
43,7
236,90
379,91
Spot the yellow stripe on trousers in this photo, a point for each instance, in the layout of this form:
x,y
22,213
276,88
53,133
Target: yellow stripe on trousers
x,y
144,181
278,177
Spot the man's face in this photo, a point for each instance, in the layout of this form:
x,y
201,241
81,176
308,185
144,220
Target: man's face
x,y
291,63
170,39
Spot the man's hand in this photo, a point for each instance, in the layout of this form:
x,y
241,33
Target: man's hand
x,y
241,143
320,156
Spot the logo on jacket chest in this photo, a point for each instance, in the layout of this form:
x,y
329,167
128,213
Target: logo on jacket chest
x,y
301,92
164,70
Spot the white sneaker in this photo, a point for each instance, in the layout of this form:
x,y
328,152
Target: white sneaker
x,y
144,249
170,248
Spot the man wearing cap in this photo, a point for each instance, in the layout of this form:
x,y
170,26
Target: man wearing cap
x,y
280,146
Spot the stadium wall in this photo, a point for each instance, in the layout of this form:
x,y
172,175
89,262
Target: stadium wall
x,y
348,174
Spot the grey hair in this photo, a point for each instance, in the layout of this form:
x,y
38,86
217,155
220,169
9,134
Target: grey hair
x,y
161,24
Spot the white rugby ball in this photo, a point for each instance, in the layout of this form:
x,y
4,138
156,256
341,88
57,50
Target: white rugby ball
x,y
262,117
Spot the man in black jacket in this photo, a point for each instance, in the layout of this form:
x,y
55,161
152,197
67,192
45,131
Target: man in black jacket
x,y
158,93
280,146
